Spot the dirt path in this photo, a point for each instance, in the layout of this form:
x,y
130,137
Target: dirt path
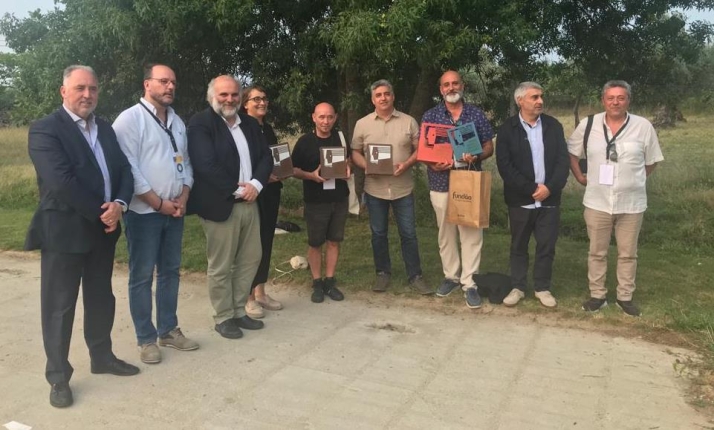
x,y
380,364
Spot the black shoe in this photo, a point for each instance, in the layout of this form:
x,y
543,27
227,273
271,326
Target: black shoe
x,y
229,329
593,305
318,291
629,308
248,323
331,290
61,395
115,367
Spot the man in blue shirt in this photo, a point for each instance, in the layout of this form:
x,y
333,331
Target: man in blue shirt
x,y
458,267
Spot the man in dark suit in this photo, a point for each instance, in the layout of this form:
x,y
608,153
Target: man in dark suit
x,y
84,181
231,165
533,161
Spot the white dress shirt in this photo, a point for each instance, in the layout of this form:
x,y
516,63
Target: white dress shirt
x,y
149,151
637,146
246,167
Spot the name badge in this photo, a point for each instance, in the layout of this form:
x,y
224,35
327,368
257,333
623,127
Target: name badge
x,y
607,174
329,184
180,168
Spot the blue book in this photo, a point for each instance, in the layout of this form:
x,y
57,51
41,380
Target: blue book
x,y
464,140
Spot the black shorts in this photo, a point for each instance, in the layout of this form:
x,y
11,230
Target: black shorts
x,y
325,221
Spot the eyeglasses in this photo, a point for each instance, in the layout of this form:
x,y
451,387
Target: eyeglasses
x,y
165,82
259,99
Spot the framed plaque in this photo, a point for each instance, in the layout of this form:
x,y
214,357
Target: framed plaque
x,y
379,159
282,163
333,162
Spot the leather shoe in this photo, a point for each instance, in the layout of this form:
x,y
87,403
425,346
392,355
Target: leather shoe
x,y
61,395
229,329
248,323
115,367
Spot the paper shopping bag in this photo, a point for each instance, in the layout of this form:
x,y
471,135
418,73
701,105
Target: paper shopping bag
x,y
469,198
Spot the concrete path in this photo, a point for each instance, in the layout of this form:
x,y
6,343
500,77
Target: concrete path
x,y
349,365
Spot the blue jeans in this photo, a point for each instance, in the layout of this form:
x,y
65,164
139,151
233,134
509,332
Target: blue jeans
x,y
154,241
403,209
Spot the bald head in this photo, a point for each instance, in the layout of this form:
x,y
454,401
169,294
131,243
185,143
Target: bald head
x,y
324,118
451,87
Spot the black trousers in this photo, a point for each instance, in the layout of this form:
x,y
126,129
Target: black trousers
x,y
269,205
61,274
543,224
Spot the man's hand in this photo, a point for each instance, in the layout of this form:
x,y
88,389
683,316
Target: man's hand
x,y
249,191
440,167
400,168
180,205
469,158
583,179
315,175
111,216
273,178
541,193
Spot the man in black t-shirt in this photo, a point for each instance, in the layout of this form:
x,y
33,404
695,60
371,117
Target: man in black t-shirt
x,y
326,202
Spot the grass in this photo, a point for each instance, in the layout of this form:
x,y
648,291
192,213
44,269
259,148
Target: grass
x,y
676,258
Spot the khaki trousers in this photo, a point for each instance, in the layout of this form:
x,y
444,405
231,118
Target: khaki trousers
x,y
627,231
460,268
233,251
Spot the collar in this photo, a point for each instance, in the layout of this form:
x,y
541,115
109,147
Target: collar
x,y
152,108
604,117
230,127
395,113
526,123
79,120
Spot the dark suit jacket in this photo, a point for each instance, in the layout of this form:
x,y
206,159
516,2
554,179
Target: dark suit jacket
x,y
216,164
71,184
515,161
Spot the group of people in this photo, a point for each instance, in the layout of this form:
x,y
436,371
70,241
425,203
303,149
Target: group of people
x,y
150,170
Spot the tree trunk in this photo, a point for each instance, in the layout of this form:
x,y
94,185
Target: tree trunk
x,y
576,109
350,115
422,99
666,116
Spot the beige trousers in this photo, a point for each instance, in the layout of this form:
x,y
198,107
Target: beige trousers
x,y
627,231
452,237
233,250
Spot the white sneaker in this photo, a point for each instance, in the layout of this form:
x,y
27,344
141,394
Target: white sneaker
x,y
513,297
254,310
546,299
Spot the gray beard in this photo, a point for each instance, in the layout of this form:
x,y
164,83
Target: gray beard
x,y
453,98
225,112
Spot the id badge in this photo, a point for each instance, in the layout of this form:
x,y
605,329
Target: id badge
x,y
607,174
180,168
329,184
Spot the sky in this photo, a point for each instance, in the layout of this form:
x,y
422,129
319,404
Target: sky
x,y
21,8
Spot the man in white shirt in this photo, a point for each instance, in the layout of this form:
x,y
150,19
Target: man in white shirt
x,y
622,151
153,138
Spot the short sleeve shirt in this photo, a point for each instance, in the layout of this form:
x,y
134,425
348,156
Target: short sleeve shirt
x,y
439,181
637,146
401,131
306,156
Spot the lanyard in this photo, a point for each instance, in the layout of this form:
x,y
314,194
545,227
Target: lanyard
x,y
163,127
611,142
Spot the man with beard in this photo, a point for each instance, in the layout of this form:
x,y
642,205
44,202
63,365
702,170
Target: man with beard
x,y
533,161
153,138
232,164
84,181
459,270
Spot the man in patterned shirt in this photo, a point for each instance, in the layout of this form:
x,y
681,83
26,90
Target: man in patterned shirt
x,y
458,269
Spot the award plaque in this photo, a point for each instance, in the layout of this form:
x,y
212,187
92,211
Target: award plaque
x,y
282,163
434,145
379,159
333,162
